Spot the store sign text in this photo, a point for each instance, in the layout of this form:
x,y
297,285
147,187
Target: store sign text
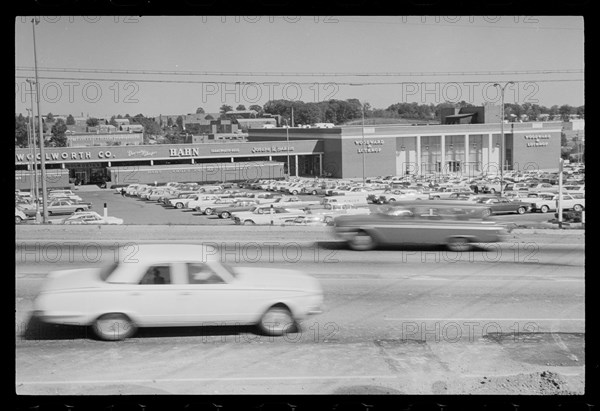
x,y
75,155
273,149
537,138
367,146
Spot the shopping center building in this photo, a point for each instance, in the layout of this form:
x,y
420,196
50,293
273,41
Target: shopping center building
x,y
339,152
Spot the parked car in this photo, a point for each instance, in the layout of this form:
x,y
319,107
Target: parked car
x,y
501,205
550,203
310,220
63,194
193,288
226,210
265,214
88,217
20,216
444,195
455,224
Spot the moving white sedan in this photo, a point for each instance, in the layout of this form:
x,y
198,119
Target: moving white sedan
x,y
87,217
167,285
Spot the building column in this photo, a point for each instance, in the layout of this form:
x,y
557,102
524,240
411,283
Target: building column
x,y
443,152
193,161
270,158
232,159
151,162
296,163
108,164
467,166
62,165
320,165
418,150
489,159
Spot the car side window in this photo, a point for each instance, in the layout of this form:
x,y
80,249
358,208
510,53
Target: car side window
x,y
200,273
157,274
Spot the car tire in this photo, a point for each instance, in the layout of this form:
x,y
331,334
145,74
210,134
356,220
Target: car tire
x,y
362,241
18,219
79,210
486,213
577,207
521,210
225,214
294,193
276,321
436,197
249,222
314,192
179,205
458,244
492,191
208,211
544,209
113,327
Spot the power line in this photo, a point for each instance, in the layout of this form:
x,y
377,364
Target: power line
x,y
344,83
302,74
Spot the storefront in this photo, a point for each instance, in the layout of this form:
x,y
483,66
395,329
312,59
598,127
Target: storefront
x,y
181,162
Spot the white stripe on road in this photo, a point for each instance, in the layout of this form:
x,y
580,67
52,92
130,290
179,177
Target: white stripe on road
x,y
157,380
483,319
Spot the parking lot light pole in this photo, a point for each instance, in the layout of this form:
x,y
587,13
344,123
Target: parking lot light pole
x,y
502,136
34,22
363,144
34,151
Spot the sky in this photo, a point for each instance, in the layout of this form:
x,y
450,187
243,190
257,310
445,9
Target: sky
x,y
107,65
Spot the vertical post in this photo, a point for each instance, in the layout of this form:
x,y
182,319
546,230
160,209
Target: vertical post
x,y
105,210
34,21
560,193
363,144
287,137
35,174
502,88
296,165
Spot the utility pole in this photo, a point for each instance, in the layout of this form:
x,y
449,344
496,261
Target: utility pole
x,y
502,137
34,22
34,148
363,144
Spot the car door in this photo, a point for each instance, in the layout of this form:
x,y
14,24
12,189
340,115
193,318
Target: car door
x,y
212,298
155,298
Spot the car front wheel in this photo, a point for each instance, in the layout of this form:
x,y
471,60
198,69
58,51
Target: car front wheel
x,y
208,211
577,207
18,219
249,222
362,241
225,214
179,205
113,327
458,244
276,321
521,210
544,209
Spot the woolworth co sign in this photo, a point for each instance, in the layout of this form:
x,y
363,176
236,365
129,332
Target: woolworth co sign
x,y
65,155
534,140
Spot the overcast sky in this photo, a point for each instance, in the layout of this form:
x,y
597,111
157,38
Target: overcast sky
x,y
177,64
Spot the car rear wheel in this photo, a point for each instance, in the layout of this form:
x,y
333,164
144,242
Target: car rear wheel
x,y
179,205
295,193
79,210
487,212
276,321
362,241
249,222
113,327
521,210
458,244
577,207
18,219
225,214
544,209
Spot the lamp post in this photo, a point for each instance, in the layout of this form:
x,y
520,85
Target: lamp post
x,y
34,152
363,144
34,22
502,136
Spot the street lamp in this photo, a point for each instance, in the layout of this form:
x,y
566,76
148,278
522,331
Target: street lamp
x,y
363,144
34,151
34,22
502,136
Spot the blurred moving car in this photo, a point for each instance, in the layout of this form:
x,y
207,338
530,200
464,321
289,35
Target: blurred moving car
x,y
456,224
193,286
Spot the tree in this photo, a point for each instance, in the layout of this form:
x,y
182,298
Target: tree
x,y
225,108
199,110
113,122
58,134
70,120
179,123
50,118
21,136
240,107
169,122
92,122
256,108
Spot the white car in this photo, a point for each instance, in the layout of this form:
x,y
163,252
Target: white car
x,y
88,217
194,289
20,216
264,214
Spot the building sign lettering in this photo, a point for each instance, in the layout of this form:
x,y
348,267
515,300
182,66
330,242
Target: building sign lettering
x,y
366,146
184,152
225,150
57,156
273,149
369,142
537,138
141,153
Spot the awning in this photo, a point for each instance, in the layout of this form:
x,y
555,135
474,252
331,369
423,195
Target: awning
x,y
461,115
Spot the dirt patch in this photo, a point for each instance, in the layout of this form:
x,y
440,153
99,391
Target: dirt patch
x,y
539,383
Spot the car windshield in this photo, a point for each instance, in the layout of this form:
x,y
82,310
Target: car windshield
x,y
229,269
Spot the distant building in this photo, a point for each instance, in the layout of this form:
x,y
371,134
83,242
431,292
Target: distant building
x,y
471,115
104,139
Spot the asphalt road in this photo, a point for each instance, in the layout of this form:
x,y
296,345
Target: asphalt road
x,y
410,321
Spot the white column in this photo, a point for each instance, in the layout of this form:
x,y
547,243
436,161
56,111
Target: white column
x,y
193,161
232,159
467,166
270,158
443,150
296,161
489,159
151,162
108,164
62,165
320,165
418,150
